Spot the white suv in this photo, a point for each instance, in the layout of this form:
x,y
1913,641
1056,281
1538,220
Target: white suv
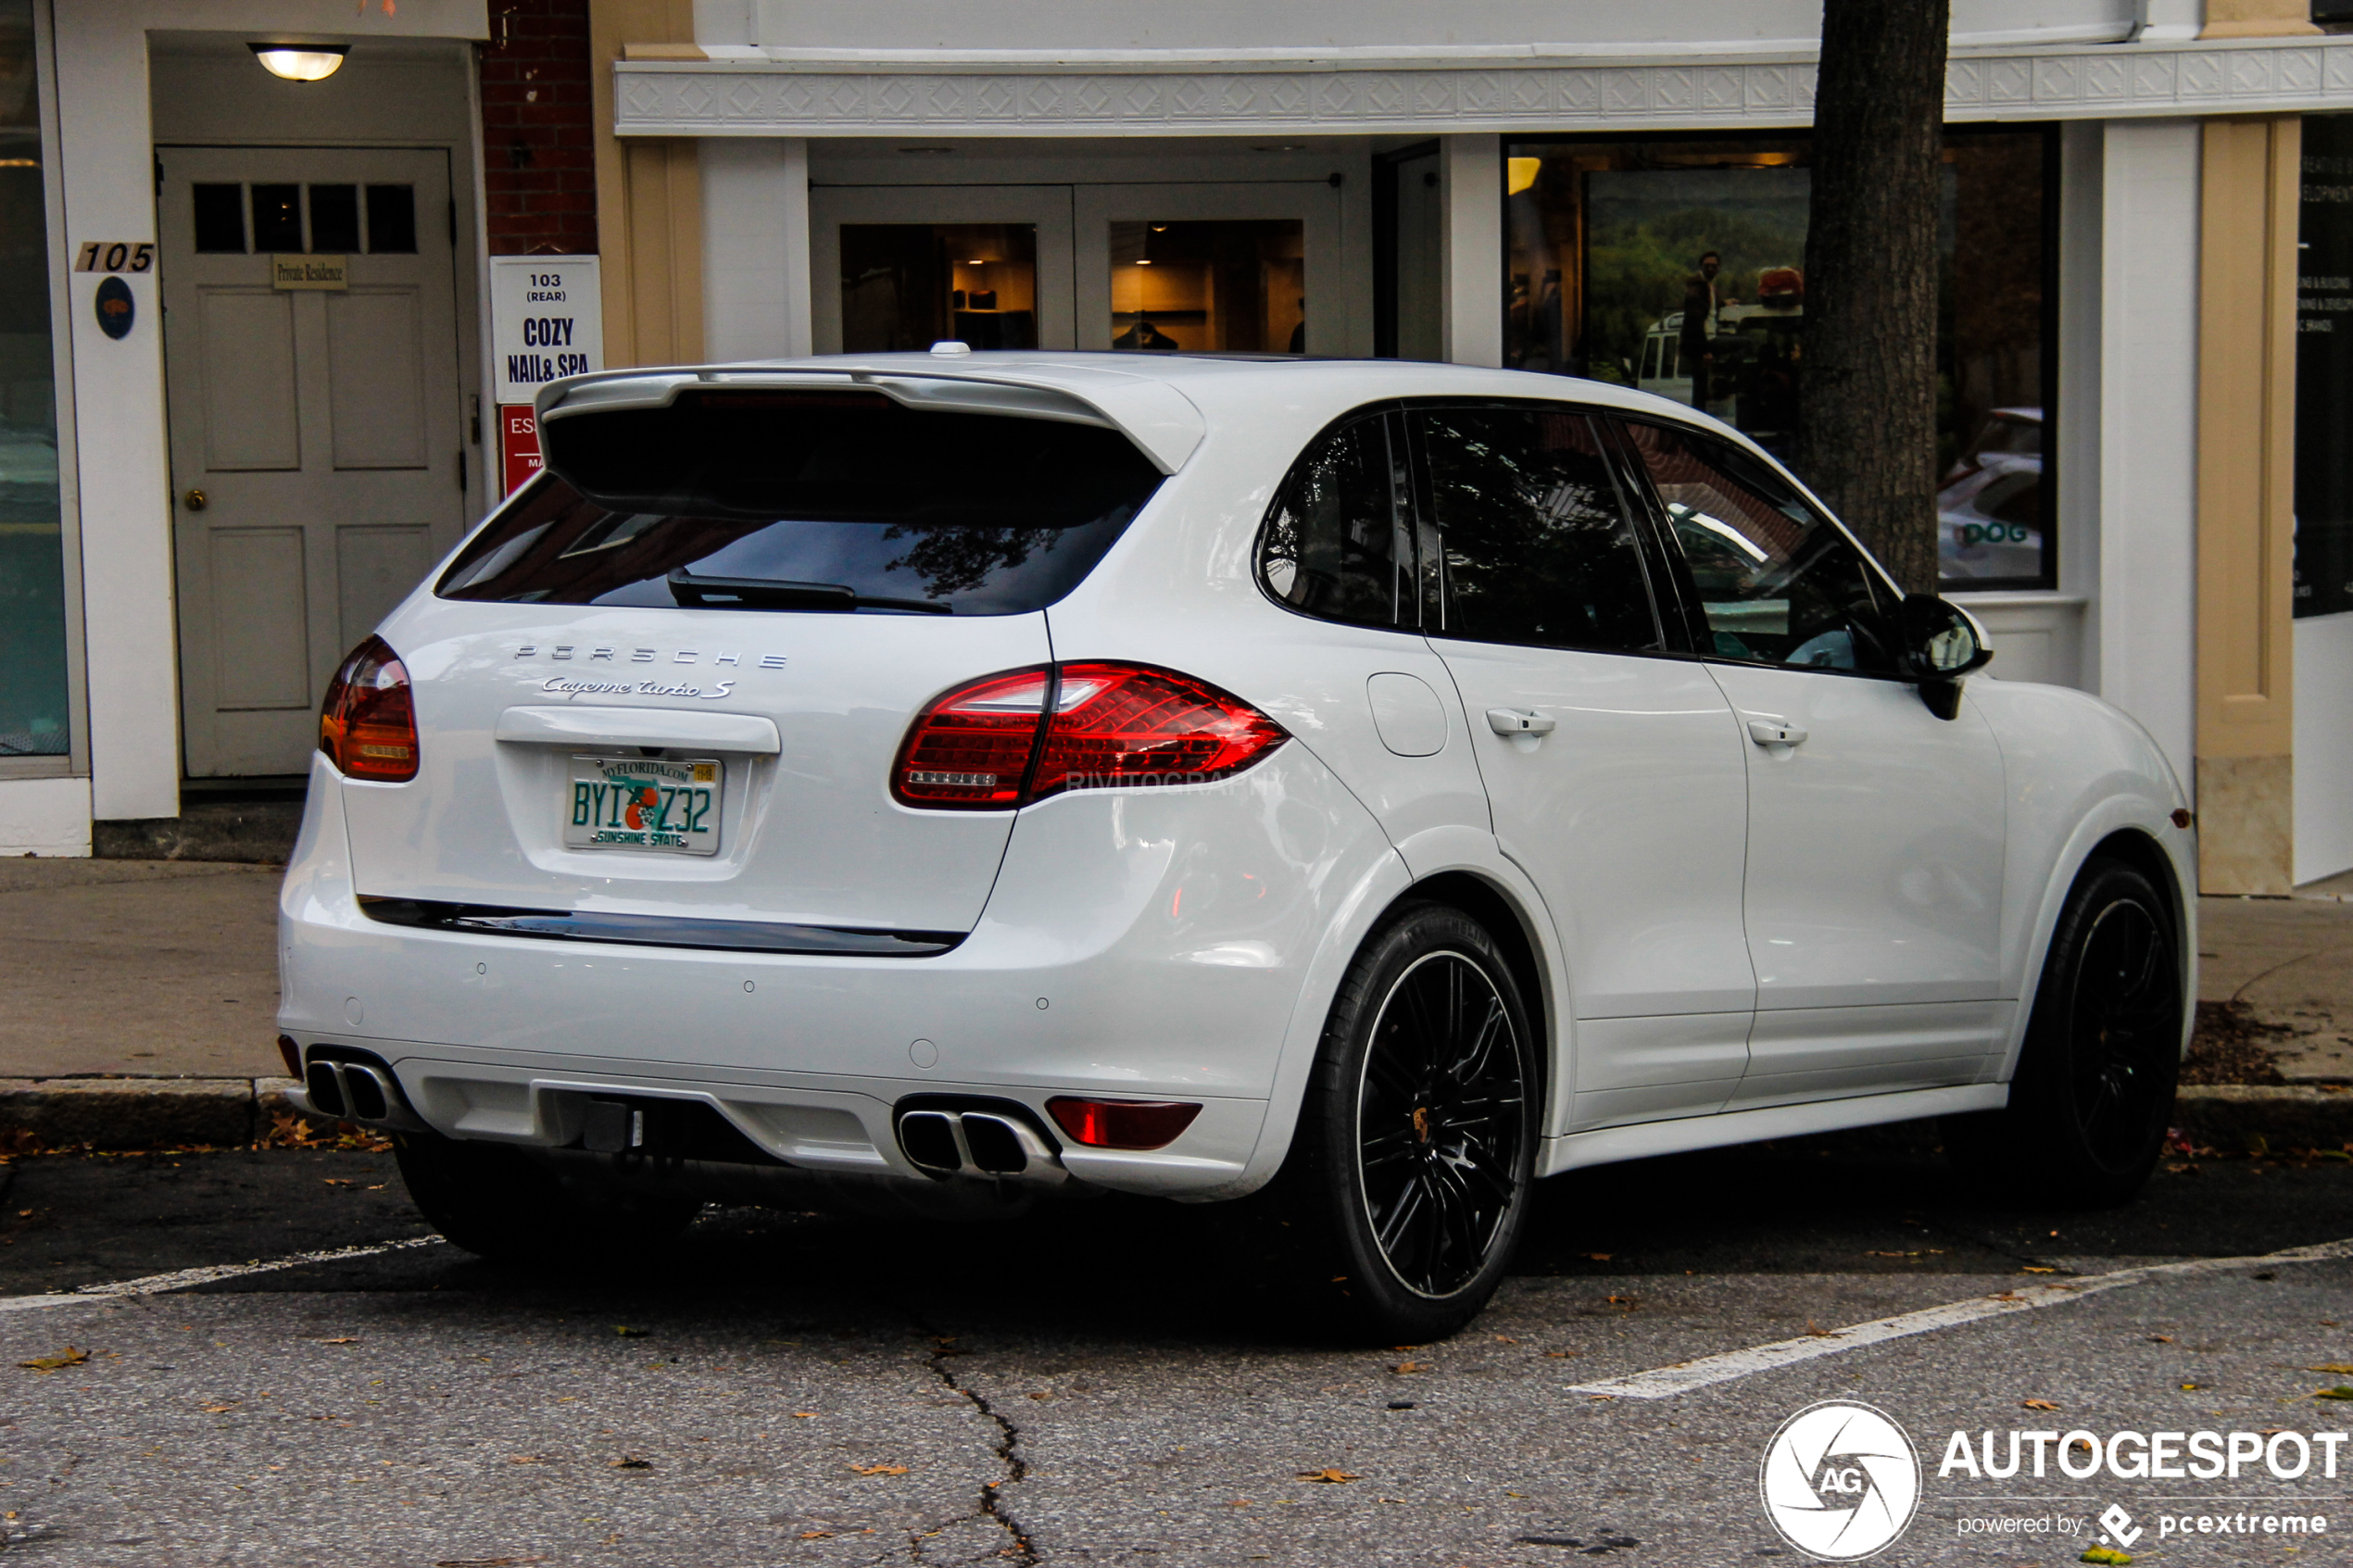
x,y
950,775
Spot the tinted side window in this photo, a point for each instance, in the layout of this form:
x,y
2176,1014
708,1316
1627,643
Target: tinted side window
x,y
1338,544
1778,582
1536,539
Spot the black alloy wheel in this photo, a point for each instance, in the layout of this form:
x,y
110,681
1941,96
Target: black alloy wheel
x,y
1440,1109
2094,1091
1416,1151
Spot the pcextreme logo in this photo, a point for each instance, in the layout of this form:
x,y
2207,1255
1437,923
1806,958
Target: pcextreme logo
x,y
1839,1481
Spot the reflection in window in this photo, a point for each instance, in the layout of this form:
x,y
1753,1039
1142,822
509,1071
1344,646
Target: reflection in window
x,y
34,711
909,285
1678,267
392,220
1338,544
1537,544
221,219
335,219
1776,583
1236,286
277,217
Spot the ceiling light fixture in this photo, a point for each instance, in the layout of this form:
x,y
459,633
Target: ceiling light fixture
x,y
300,62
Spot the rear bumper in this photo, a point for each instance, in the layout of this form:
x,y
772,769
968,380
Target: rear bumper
x,y
1148,946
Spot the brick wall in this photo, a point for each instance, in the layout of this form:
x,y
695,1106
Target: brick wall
x,y
539,163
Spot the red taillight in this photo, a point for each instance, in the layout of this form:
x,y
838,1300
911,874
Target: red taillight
x,y
1122,1123
368,725
1112,726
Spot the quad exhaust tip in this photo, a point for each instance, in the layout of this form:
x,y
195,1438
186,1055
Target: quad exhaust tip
x,y
365,1092
998,1146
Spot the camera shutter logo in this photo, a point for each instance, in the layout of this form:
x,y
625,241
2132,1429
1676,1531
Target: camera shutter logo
x,y
1839,1481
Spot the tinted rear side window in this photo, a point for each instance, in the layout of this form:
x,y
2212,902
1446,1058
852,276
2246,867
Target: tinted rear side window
x,y
1538,546
798,501
1338,543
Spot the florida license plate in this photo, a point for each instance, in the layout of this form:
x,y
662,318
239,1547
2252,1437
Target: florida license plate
x,y
637,803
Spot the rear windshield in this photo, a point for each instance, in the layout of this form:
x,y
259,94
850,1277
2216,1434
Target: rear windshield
x,y
844,501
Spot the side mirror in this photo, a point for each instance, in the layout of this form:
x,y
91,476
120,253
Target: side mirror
x,y
1938,646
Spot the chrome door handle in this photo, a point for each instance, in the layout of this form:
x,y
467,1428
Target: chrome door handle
x,y
1517,721
1774,732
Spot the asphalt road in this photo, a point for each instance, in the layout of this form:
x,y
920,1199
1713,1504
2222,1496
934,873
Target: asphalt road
x,y
1103,1385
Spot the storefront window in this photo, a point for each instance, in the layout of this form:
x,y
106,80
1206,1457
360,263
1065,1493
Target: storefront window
x,y
909,285
2324,371
1211,285
33,702
1678,266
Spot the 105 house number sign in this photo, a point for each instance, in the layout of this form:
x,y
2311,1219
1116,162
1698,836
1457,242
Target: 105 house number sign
x,y
115,255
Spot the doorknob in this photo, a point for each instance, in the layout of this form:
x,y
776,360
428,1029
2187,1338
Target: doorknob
x,y
196,502
1774,732
1517,721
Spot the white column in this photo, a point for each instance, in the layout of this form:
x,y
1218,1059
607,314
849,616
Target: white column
x,y
1470,200
2145,625
755,205
108,163
2167,21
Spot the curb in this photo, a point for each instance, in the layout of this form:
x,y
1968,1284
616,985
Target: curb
x,y
146,1112
2256,1116
140,1112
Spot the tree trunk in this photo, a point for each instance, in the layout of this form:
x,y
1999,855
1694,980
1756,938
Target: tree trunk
x,y
1868,431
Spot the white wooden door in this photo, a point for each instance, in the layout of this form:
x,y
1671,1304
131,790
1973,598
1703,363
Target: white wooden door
x,y
317,435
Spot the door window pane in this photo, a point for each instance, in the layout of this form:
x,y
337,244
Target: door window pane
x,y
1777,583
1678,267
1535,538
1236,286
1338,543
33,702
2324,370
277,217
909,285
335,219
221,219
392,220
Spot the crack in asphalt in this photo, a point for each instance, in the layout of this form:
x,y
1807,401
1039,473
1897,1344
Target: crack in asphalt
x,y
1020,1553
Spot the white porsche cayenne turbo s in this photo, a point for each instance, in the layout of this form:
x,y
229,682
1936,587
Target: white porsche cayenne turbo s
x,y
946,778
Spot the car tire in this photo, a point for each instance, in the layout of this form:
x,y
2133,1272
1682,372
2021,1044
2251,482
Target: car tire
x,y
2094,1092
1415,1156
500,1204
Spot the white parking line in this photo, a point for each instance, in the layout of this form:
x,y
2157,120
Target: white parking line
x,y
1662,1382
155,1284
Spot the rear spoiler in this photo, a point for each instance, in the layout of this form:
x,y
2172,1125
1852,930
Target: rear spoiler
x,y
1161,420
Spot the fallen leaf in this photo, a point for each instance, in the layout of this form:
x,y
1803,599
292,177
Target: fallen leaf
x,y
346,1340
2167,1340
2031,1269
2332,1366
223,1410
1507,1339
816,1535
2190,1387
1402,1368
2341,1391
341,1182
803,1415
526,1459
628,1333
1819,1331
1044,1396
2036,1405
880,1469
2109,1555
1327,1477
48,1364
1562,1355
1601,1257
631,1462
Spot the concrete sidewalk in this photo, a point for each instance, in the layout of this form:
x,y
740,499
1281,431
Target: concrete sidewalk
x,y
165,969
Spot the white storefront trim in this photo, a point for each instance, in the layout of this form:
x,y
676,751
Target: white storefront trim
x,y
775,92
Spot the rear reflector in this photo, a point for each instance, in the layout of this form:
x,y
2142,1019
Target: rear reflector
x,y
368,725
1122,1123
993,746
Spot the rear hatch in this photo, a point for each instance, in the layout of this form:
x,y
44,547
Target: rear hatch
x,y
673,676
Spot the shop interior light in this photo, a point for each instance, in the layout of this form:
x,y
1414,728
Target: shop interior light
x,y
300,62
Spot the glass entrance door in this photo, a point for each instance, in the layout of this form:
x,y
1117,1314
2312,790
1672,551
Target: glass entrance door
x,y
1211,267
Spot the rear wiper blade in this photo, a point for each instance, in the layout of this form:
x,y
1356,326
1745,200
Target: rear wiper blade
x,y
770,593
